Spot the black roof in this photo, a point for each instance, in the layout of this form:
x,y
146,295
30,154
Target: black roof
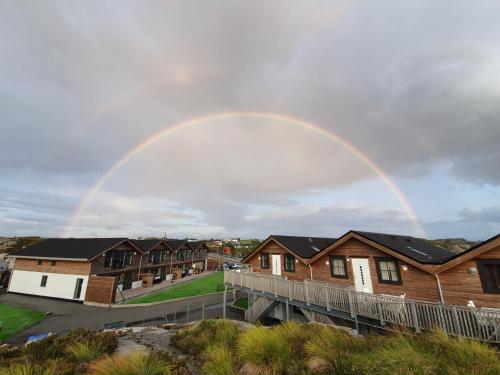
x,y
196,244
175,244
69,248
304,247
418,249
146,245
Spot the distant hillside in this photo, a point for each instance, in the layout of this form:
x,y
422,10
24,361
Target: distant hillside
x,y
8,245
456,245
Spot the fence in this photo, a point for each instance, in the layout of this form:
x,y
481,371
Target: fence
x,y
482,324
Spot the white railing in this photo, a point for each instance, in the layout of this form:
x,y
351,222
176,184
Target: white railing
x,y
482,324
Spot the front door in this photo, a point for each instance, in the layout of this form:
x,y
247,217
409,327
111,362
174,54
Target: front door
x,y
127,280
276,260
361,272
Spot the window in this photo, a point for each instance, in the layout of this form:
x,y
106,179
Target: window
x,y
53,263
264,260
43,283
388,271
78,288
338,267
118,258
289,263
40,262
489,272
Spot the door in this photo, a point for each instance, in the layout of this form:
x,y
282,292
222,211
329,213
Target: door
x,y
361,272
127,280
276,260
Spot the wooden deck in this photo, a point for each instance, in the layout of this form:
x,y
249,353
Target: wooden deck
x,y
482,324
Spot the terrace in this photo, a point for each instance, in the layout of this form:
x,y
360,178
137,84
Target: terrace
x,y
371,309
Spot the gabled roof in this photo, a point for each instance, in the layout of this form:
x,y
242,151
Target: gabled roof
x,y
418,249
175,244
69,248
304,247
195,245
470,253
147,245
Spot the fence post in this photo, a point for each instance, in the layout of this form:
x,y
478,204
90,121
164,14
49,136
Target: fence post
x,y
289,291
325,288
380,310
187,314
287,310
203,310
275,287
442,320
456,322
224,300
352,305
306,288
415,317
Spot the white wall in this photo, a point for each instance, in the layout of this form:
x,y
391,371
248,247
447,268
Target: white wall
x,y
58,285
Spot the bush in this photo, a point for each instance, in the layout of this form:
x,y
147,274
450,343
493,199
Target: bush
x,y
57,367
195,339
134,364
218,360
84,351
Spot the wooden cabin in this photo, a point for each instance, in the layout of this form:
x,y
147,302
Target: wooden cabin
x,y
286,256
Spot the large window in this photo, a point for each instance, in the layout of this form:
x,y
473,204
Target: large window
x,y
489,272
338,267
264,260
43,283
388,271
289,263
118,258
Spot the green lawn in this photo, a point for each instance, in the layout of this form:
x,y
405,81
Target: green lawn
x,y
198,287
242,303
16,319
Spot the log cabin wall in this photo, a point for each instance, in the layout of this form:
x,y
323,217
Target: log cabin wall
x,y
301,270
101,289
417,284
459,286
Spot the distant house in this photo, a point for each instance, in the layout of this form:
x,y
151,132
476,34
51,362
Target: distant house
x,y
94,269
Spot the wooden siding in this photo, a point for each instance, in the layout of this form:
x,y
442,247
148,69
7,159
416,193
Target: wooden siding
x,y
98,268
101,289
459,286
61,266
301,270
416,283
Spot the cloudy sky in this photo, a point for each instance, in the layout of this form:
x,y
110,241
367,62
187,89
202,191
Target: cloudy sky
x,y
413,85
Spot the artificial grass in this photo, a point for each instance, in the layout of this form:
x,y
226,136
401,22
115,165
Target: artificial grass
x,y
16,319
198,287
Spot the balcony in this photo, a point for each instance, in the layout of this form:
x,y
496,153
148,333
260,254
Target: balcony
x,y
341,301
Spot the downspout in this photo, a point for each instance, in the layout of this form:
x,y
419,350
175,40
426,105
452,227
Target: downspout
x,y
439,288
311,270
171,257
140,265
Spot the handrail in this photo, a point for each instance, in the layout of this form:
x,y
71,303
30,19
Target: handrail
x,y
482,324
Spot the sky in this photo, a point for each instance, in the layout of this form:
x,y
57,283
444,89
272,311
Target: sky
x,y
414,86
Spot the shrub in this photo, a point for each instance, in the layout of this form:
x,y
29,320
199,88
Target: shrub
x,y
195,339
134,364
218,360
84,351
57,367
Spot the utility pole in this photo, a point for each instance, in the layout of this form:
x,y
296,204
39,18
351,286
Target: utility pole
x,y
221,251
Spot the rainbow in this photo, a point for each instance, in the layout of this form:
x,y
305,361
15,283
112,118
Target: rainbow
x,y
257,115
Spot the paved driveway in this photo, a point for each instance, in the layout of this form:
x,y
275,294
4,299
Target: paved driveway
x,y
69,315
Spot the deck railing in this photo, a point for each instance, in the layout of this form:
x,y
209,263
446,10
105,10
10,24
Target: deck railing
x,y
482,324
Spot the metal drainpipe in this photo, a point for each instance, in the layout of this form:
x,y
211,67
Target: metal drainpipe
x,y
311,270
439,288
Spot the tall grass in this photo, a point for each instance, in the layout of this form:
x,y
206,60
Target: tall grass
x,y
133,364
57,367
218,360
85,351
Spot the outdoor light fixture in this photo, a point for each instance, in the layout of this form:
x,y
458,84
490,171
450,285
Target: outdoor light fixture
x,y
296,261
259,257
327,263
404,267
348,259
472,270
